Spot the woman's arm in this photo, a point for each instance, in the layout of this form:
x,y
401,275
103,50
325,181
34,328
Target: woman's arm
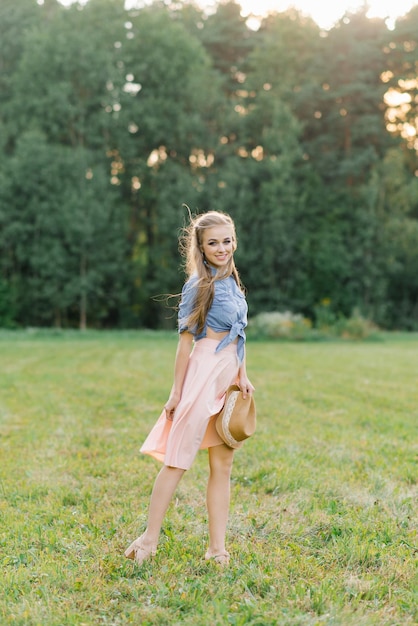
x,y
181,362
243,381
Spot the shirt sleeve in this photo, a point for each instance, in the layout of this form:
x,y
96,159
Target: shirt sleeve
x,y
188,296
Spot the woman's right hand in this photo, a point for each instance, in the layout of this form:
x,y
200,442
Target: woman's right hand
x,y
184,347
170,406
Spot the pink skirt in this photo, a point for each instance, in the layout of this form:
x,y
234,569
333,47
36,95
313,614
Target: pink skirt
x,y
209,374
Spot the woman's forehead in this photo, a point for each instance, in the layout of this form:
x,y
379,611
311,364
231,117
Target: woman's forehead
x,y
218,232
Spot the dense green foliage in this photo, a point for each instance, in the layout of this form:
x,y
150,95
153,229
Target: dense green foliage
x,y
112,119
323,515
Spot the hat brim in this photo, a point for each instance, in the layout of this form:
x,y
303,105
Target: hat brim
x,y
237,420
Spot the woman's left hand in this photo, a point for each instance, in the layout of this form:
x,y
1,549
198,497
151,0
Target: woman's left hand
x,y
246,386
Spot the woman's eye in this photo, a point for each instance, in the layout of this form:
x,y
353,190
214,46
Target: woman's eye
x,y
215,243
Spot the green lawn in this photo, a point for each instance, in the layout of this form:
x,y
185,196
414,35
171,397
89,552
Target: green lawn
x,y
323,526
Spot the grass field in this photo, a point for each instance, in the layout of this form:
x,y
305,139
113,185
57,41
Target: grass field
x,y
323,525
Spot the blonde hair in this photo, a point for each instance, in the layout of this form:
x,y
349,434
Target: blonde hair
x,y
191,246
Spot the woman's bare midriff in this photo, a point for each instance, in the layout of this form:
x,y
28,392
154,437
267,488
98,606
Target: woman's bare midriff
x,y
211,334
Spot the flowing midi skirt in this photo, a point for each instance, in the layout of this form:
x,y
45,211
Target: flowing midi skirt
x,y
209,374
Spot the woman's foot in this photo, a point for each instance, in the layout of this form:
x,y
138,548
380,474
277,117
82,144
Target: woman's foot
x,y
140,551
220,558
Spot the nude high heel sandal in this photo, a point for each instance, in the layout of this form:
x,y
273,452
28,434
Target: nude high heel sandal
x,y
221,559
139,553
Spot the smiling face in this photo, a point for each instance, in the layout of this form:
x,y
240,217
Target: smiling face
x,y
218,245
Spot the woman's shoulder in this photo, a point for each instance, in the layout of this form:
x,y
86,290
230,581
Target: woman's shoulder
x,y
237,287
188,291
190,282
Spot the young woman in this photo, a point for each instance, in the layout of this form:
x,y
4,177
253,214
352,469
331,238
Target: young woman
x,y
210,357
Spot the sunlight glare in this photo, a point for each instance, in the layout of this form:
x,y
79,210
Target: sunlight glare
x,y
324,12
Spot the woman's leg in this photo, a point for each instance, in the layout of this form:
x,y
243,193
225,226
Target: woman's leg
x,y
162,493
163,490
218,496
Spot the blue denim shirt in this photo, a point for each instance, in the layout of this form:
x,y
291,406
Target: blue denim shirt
x,y
228,312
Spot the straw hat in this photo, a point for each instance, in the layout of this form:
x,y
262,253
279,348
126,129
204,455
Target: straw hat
x,y
237,420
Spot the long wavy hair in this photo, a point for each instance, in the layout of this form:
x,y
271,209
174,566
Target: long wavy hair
x,y
191,247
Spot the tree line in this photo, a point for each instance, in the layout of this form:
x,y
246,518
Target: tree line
x,y
112,120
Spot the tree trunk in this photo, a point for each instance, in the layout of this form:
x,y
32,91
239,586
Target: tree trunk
x,y
83,296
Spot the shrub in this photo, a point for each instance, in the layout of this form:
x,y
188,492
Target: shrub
x,y
355,327
277,325
294,326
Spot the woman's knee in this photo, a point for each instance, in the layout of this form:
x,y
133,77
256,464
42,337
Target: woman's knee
x,y
220,459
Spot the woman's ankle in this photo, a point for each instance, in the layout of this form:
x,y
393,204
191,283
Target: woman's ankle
x,y
213,550
148,540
